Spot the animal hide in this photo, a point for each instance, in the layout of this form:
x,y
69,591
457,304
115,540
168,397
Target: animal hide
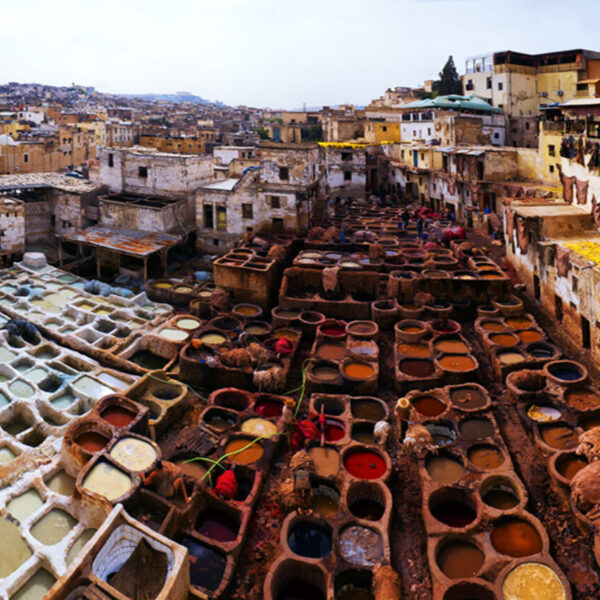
x,y
523,234
329,278
596,211
510,222
562,260
376,251
585,487
386,583
582,190
567,185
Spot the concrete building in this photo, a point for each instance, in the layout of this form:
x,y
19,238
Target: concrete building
x,y
12,229
120,134
144,171
522,84
343,124
344,169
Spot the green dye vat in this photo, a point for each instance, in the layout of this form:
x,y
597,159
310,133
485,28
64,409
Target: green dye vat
x,y
149,360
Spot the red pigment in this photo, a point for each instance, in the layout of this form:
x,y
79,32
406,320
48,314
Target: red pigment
x,y
91,441
268,408
429,406
364,464
334,430
117,416
417,368
333,330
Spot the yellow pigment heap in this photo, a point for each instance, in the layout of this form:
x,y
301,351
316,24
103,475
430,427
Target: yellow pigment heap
x,y
589,250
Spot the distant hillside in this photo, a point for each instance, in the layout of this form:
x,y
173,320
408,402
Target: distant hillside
x,y
176,97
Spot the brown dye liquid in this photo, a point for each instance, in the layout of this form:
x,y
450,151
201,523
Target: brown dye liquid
x,y
485,457
504,339
417,367
429,406
331,351
452,347
569,467
458,560
411,329
500,498
358,370
367,409
469,398
518,322
444,469
529,335
324,505
516,538
560,437
493,326
476,429
326,373
326,460
414,350
457,362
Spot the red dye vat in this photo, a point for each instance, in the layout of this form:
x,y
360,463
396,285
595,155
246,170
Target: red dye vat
x,y
334,430
217,526
117,416
364,464
333,330
91,441
268,408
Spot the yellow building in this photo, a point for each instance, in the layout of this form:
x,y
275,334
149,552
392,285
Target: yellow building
x,y
98,128
379,132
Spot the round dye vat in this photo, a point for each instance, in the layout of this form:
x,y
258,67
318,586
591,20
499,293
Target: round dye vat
x,y
310,540
457,362
218,419
207,566
248,310
418,368
325,373
504,339
259,427
429,406
515,537
358,370
257,328
532,581
565,371
476,429
290,334
326,461
300,590
21,389
510,358
444,469
365,349
583,400
268,409
469,398
560,437
173,335
193,469
528,336
216,339
332,330
543,414
218,526
183,289
364,464
485,456
361,328
568,466
287,313
117,416
414,350
133,454
445,326
364,433
453,513
333,429
460,559
367,409
325,500
361,546
91,441
367,508
441,435
452,346
411,329
493,326
245,453
519,322
501,497
331,351
541,351
352,591
187,323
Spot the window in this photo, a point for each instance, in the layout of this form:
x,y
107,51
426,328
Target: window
x,y
275,201
215,242
558,308
469,85
284,173
489,83
496,135
277,225
143,172
346,155
526,125
586,338
347,175
208,216
551,150
500,85
574,284
246,211
551,168
429,131
221,218
384,128
25,157
111,160
422,156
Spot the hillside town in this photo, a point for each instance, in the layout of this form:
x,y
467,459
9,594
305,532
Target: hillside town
x,y
334,353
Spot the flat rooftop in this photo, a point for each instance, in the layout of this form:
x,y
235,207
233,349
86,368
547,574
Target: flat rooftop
x,y
226,185
45,180
549,210
136,243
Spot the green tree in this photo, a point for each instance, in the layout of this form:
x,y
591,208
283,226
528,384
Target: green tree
x,y
449,81
262,133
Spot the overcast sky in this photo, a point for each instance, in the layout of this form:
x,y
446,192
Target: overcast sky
x,y
277,53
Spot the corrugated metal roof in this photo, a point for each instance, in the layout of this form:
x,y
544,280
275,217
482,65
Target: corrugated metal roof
x,y
453,101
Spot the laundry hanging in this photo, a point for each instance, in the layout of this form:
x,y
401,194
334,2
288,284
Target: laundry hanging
x,y
596,211
582,190
523,234
567,184
510,222
562,260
